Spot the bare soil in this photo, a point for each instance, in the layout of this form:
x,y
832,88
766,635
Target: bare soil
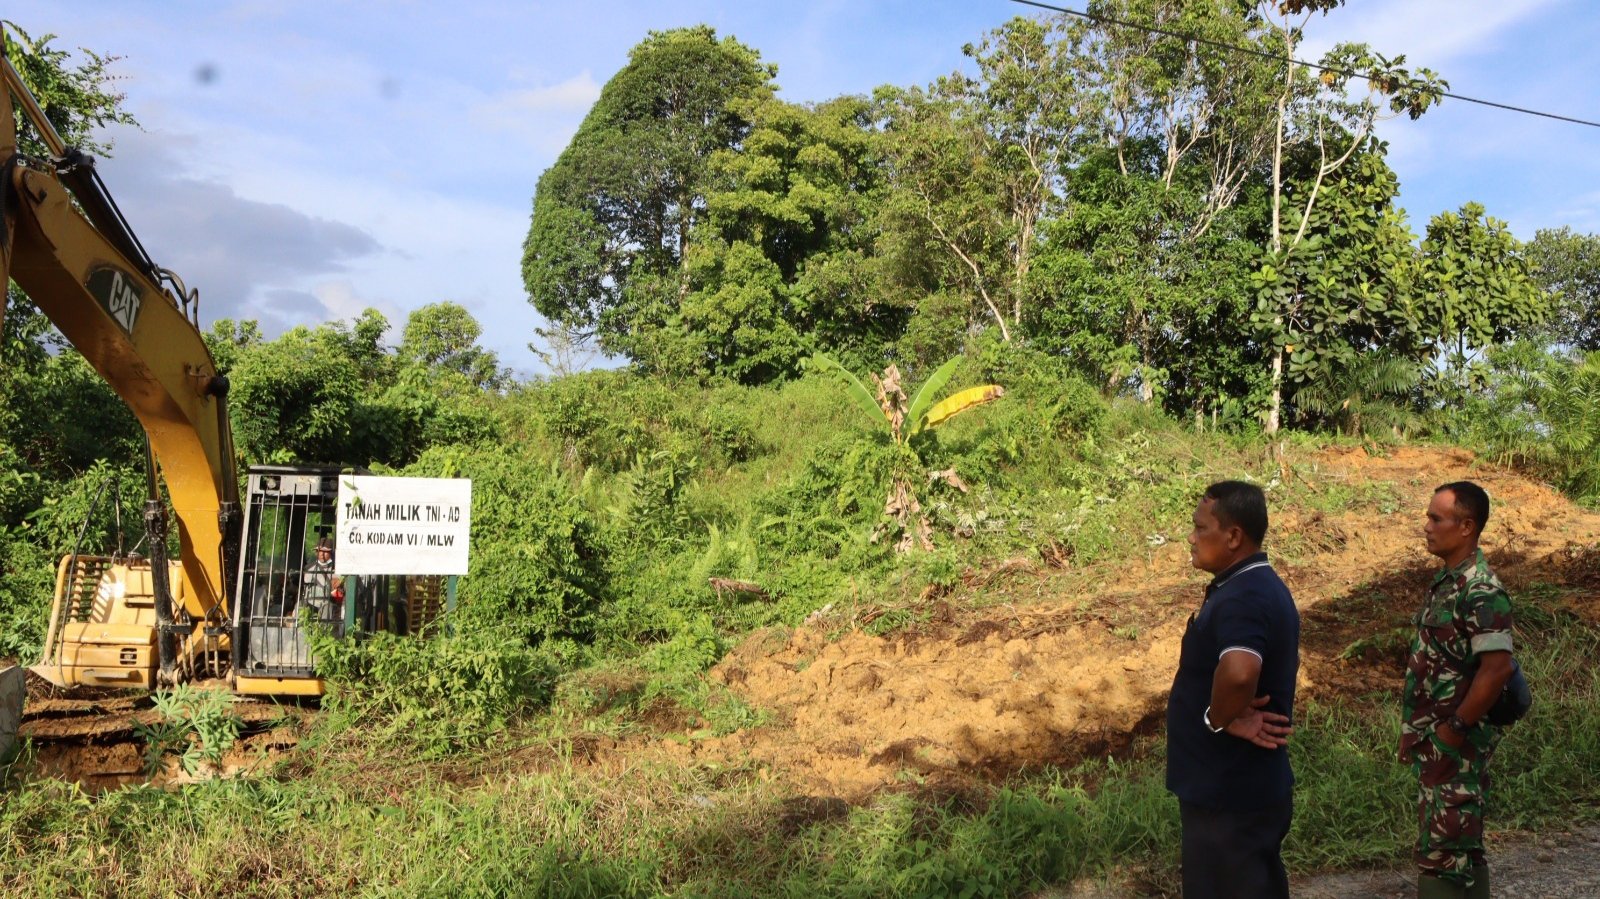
x,y
1079,663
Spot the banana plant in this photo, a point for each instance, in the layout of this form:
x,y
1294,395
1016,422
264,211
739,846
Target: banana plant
x,y
886,404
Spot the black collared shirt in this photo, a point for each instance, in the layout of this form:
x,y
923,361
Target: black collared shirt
x,y
1247,608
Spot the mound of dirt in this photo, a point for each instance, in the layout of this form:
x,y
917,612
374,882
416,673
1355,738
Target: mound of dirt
x,y
1002,696
121,762
1084,670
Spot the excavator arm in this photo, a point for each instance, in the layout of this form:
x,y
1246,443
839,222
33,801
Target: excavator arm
x,y
66,247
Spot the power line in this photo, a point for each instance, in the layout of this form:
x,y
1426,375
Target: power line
x,y
1235,48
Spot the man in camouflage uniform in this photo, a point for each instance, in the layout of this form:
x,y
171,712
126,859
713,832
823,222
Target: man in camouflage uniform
x,y
1460,661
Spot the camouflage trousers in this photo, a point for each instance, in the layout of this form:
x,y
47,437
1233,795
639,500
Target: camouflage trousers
x,y
1452,790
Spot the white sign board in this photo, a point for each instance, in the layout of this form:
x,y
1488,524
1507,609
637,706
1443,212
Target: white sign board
x,y
403,525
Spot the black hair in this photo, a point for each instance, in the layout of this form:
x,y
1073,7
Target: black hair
x,y
324,543
1470,499
1242,504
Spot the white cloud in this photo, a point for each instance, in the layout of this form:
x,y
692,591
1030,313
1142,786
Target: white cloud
x,y
231,247
541,118
341,300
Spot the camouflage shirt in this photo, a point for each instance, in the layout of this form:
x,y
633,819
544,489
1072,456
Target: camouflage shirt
x,y
1467,612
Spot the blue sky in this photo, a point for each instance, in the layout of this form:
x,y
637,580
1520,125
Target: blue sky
x,y
300,161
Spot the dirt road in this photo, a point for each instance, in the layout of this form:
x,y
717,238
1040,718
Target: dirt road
x,y
1549,866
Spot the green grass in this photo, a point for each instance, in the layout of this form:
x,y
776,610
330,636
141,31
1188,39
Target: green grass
x,y
345,823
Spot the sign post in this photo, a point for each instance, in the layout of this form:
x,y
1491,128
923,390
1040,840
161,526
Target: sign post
x,y
408,526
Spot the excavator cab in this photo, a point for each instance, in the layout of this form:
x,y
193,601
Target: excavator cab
x,y
288,510
286,586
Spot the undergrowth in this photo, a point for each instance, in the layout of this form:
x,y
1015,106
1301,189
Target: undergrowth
x,y
199,725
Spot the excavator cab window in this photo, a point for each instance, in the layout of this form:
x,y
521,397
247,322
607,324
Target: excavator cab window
x,y
286,513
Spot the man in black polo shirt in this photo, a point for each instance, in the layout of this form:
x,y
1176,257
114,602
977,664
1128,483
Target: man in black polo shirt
x,y
1229,715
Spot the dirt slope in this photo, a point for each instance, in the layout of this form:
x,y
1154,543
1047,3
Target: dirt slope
x,y
1079,672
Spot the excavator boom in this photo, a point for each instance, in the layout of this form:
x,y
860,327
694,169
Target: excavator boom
x,y
91,279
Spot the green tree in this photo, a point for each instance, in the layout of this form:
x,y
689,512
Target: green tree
x,y
336,394
79,100
1541,410
613,220
792,213
228,338
1164,104
1139,293
1143,275
1477,291
783,257
309,395
1319,121
1025,105
977,165
1566,265
445,336
1347,286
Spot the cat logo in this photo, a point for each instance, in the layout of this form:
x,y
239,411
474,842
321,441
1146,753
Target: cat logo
x,y
118,293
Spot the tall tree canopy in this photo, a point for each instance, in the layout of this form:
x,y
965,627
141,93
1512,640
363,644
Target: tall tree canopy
x,y
608,246
1566,265
444,336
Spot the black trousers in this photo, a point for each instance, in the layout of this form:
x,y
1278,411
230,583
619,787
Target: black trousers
x,y
1234,854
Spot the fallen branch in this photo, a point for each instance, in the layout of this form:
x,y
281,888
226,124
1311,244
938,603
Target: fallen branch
x,y
723,585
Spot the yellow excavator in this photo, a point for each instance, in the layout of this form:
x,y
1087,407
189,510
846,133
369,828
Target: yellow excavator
x,y
234,602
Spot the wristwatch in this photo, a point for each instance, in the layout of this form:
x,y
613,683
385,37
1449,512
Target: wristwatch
x,y
1455,723
1206,717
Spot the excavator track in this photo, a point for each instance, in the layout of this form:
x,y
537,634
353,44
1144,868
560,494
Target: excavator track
x,y
90,736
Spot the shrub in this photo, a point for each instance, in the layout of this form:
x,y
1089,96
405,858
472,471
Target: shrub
x,y
441,694
539,561
200,724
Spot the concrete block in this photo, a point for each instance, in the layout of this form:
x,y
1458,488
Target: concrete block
x,y
12,690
